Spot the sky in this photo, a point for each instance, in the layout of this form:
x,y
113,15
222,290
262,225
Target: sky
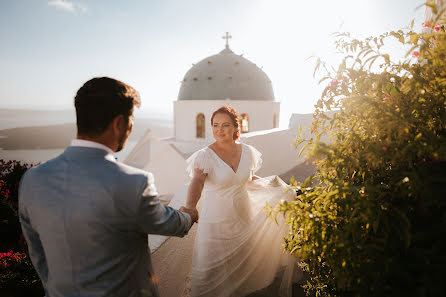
x,y
48,49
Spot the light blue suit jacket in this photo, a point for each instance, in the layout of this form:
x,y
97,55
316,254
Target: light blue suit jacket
x,y
86,220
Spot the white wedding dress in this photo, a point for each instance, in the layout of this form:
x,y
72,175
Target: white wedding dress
x,y
238,249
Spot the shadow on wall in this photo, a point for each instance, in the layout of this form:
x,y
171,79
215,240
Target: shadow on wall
x,y
299,172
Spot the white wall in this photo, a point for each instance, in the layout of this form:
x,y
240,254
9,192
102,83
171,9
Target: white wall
x,y
278,152
160,158
140,154
260,113
168,167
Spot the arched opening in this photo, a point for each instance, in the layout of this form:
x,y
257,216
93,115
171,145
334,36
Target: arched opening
x,y
244,120
201,126
275,125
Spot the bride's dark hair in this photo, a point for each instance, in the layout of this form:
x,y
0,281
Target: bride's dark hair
x,y
233,114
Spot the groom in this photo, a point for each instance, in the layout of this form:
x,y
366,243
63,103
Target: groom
x,y
85,216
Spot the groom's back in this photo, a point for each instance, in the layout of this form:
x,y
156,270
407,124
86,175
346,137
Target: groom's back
x,y
83,207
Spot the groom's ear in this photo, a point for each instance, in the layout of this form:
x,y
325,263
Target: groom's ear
x,y
118,124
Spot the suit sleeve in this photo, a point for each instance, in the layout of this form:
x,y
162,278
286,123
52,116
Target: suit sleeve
x,y
155,218
35,248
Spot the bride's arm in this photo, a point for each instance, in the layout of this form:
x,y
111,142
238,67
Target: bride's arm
x,y
195,188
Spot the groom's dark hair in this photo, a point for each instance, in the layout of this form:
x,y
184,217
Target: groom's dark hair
x,y
99,101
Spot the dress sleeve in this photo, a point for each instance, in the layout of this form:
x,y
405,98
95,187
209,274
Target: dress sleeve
x,y
200,160
256,159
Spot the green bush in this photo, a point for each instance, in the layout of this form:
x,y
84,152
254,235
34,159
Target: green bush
x,y
17,274
372,220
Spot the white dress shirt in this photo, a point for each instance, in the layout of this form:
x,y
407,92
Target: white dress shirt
x,y
92,144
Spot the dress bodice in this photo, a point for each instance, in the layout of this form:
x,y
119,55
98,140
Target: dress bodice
x,y
220,175
224,189
223,176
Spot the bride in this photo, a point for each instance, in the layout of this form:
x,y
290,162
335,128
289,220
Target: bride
x,y
238,249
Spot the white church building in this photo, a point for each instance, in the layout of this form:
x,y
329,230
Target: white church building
x,y
222,79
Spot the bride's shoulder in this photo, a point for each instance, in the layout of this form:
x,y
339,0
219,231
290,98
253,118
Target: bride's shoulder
x,y
199,159
203,153
206,150
244,145
249,147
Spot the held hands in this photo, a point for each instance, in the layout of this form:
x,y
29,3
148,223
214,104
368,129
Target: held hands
x,y
193,212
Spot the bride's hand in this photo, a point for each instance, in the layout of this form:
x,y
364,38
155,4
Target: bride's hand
x,y
193,212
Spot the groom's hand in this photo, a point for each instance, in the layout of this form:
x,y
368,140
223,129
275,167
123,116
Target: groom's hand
x,y
193,212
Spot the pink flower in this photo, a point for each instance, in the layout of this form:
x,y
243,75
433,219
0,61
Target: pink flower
x,y
17,256
415,54
426,25
437,28
386,97
334,83
3,255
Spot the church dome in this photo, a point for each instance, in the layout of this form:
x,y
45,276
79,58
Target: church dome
x,y
226,76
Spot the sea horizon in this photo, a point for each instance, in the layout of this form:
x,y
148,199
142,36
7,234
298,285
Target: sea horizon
x,y
35,136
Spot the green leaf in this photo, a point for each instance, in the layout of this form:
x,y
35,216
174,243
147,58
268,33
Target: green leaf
x,y
294,249
307,181
433,7
322,79
414,39
316,68
298,142
303,148
370,58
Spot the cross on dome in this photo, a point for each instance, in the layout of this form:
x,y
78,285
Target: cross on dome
x,y
227,36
